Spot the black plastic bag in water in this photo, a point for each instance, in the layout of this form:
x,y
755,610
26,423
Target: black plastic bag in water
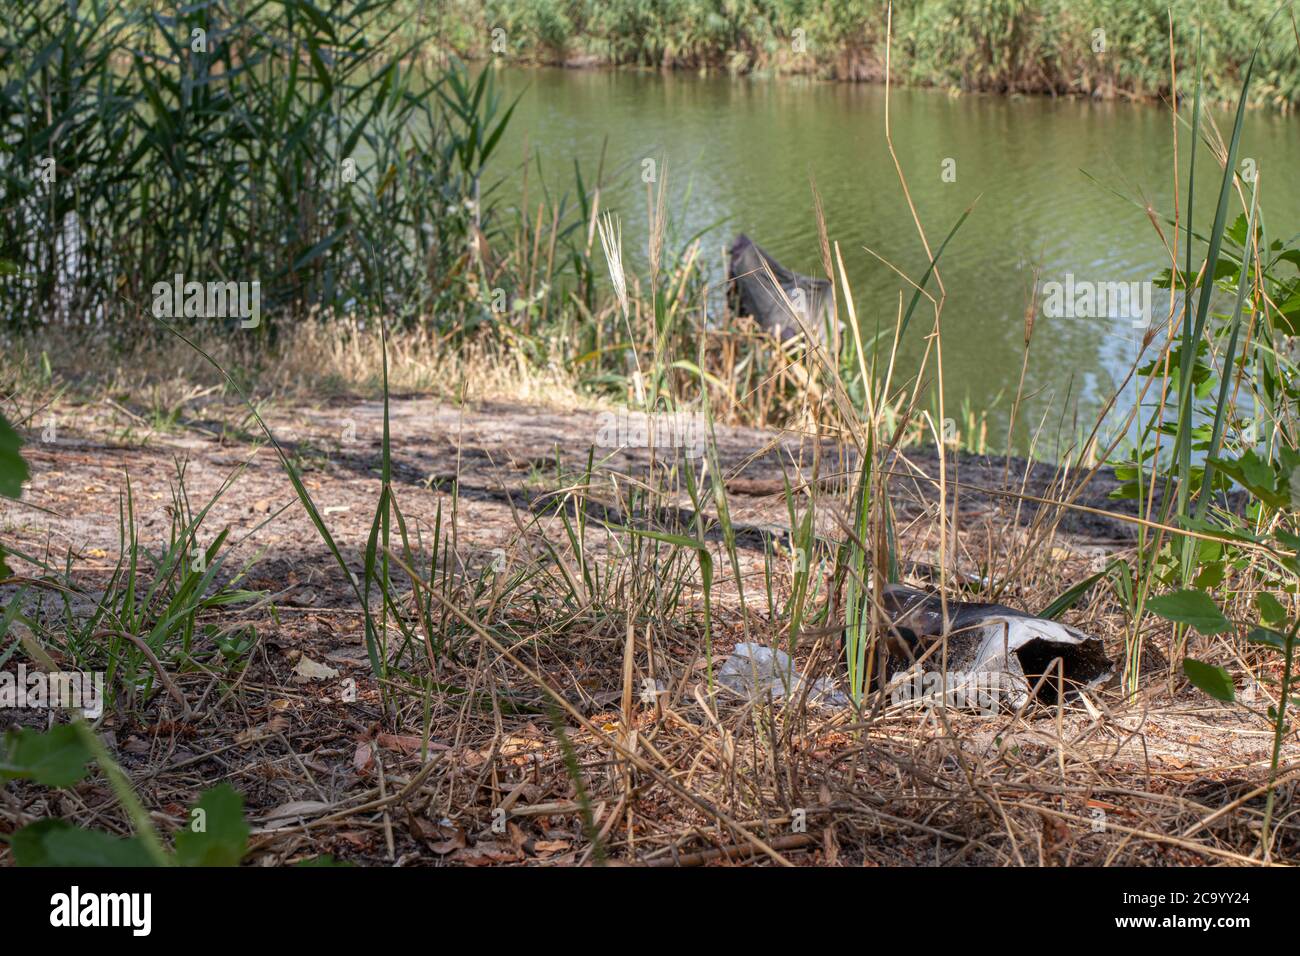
x,y
754,294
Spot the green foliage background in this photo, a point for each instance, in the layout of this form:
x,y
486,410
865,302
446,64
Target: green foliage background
x,y
997,45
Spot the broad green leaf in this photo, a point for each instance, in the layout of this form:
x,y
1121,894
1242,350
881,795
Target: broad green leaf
x,y
1210,679
13,470
1271,610
1268,637
56,758
1211,576
1195,608
215,834
1257,472
59,843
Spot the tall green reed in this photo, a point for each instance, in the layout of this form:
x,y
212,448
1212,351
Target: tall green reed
x,y
234,142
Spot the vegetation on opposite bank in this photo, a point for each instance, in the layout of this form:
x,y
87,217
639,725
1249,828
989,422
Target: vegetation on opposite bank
x,y
1104,48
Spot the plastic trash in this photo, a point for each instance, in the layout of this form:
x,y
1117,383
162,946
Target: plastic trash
x,y
755,672
991,639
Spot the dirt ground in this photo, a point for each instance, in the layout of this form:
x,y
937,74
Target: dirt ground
x,y
1099,780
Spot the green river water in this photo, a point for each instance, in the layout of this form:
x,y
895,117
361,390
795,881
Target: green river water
x,y
740,154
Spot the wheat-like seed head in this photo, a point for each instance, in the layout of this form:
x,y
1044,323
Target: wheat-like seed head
x,y
658,217
611,240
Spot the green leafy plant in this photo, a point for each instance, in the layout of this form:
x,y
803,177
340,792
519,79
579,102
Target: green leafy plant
x,y
158,602
13,472
1273,630
1192,444
214,834
261,157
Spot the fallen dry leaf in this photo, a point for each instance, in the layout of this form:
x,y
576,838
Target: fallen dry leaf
x,y
453,843
363,761
486,852
357,838
441,838
518,838
283,816
276,725
407,744
308,669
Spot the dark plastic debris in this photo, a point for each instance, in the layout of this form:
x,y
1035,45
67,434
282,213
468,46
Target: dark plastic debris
x,y
993,638
756,295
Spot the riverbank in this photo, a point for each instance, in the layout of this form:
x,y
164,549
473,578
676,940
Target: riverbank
x,y
1089,48
301,727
